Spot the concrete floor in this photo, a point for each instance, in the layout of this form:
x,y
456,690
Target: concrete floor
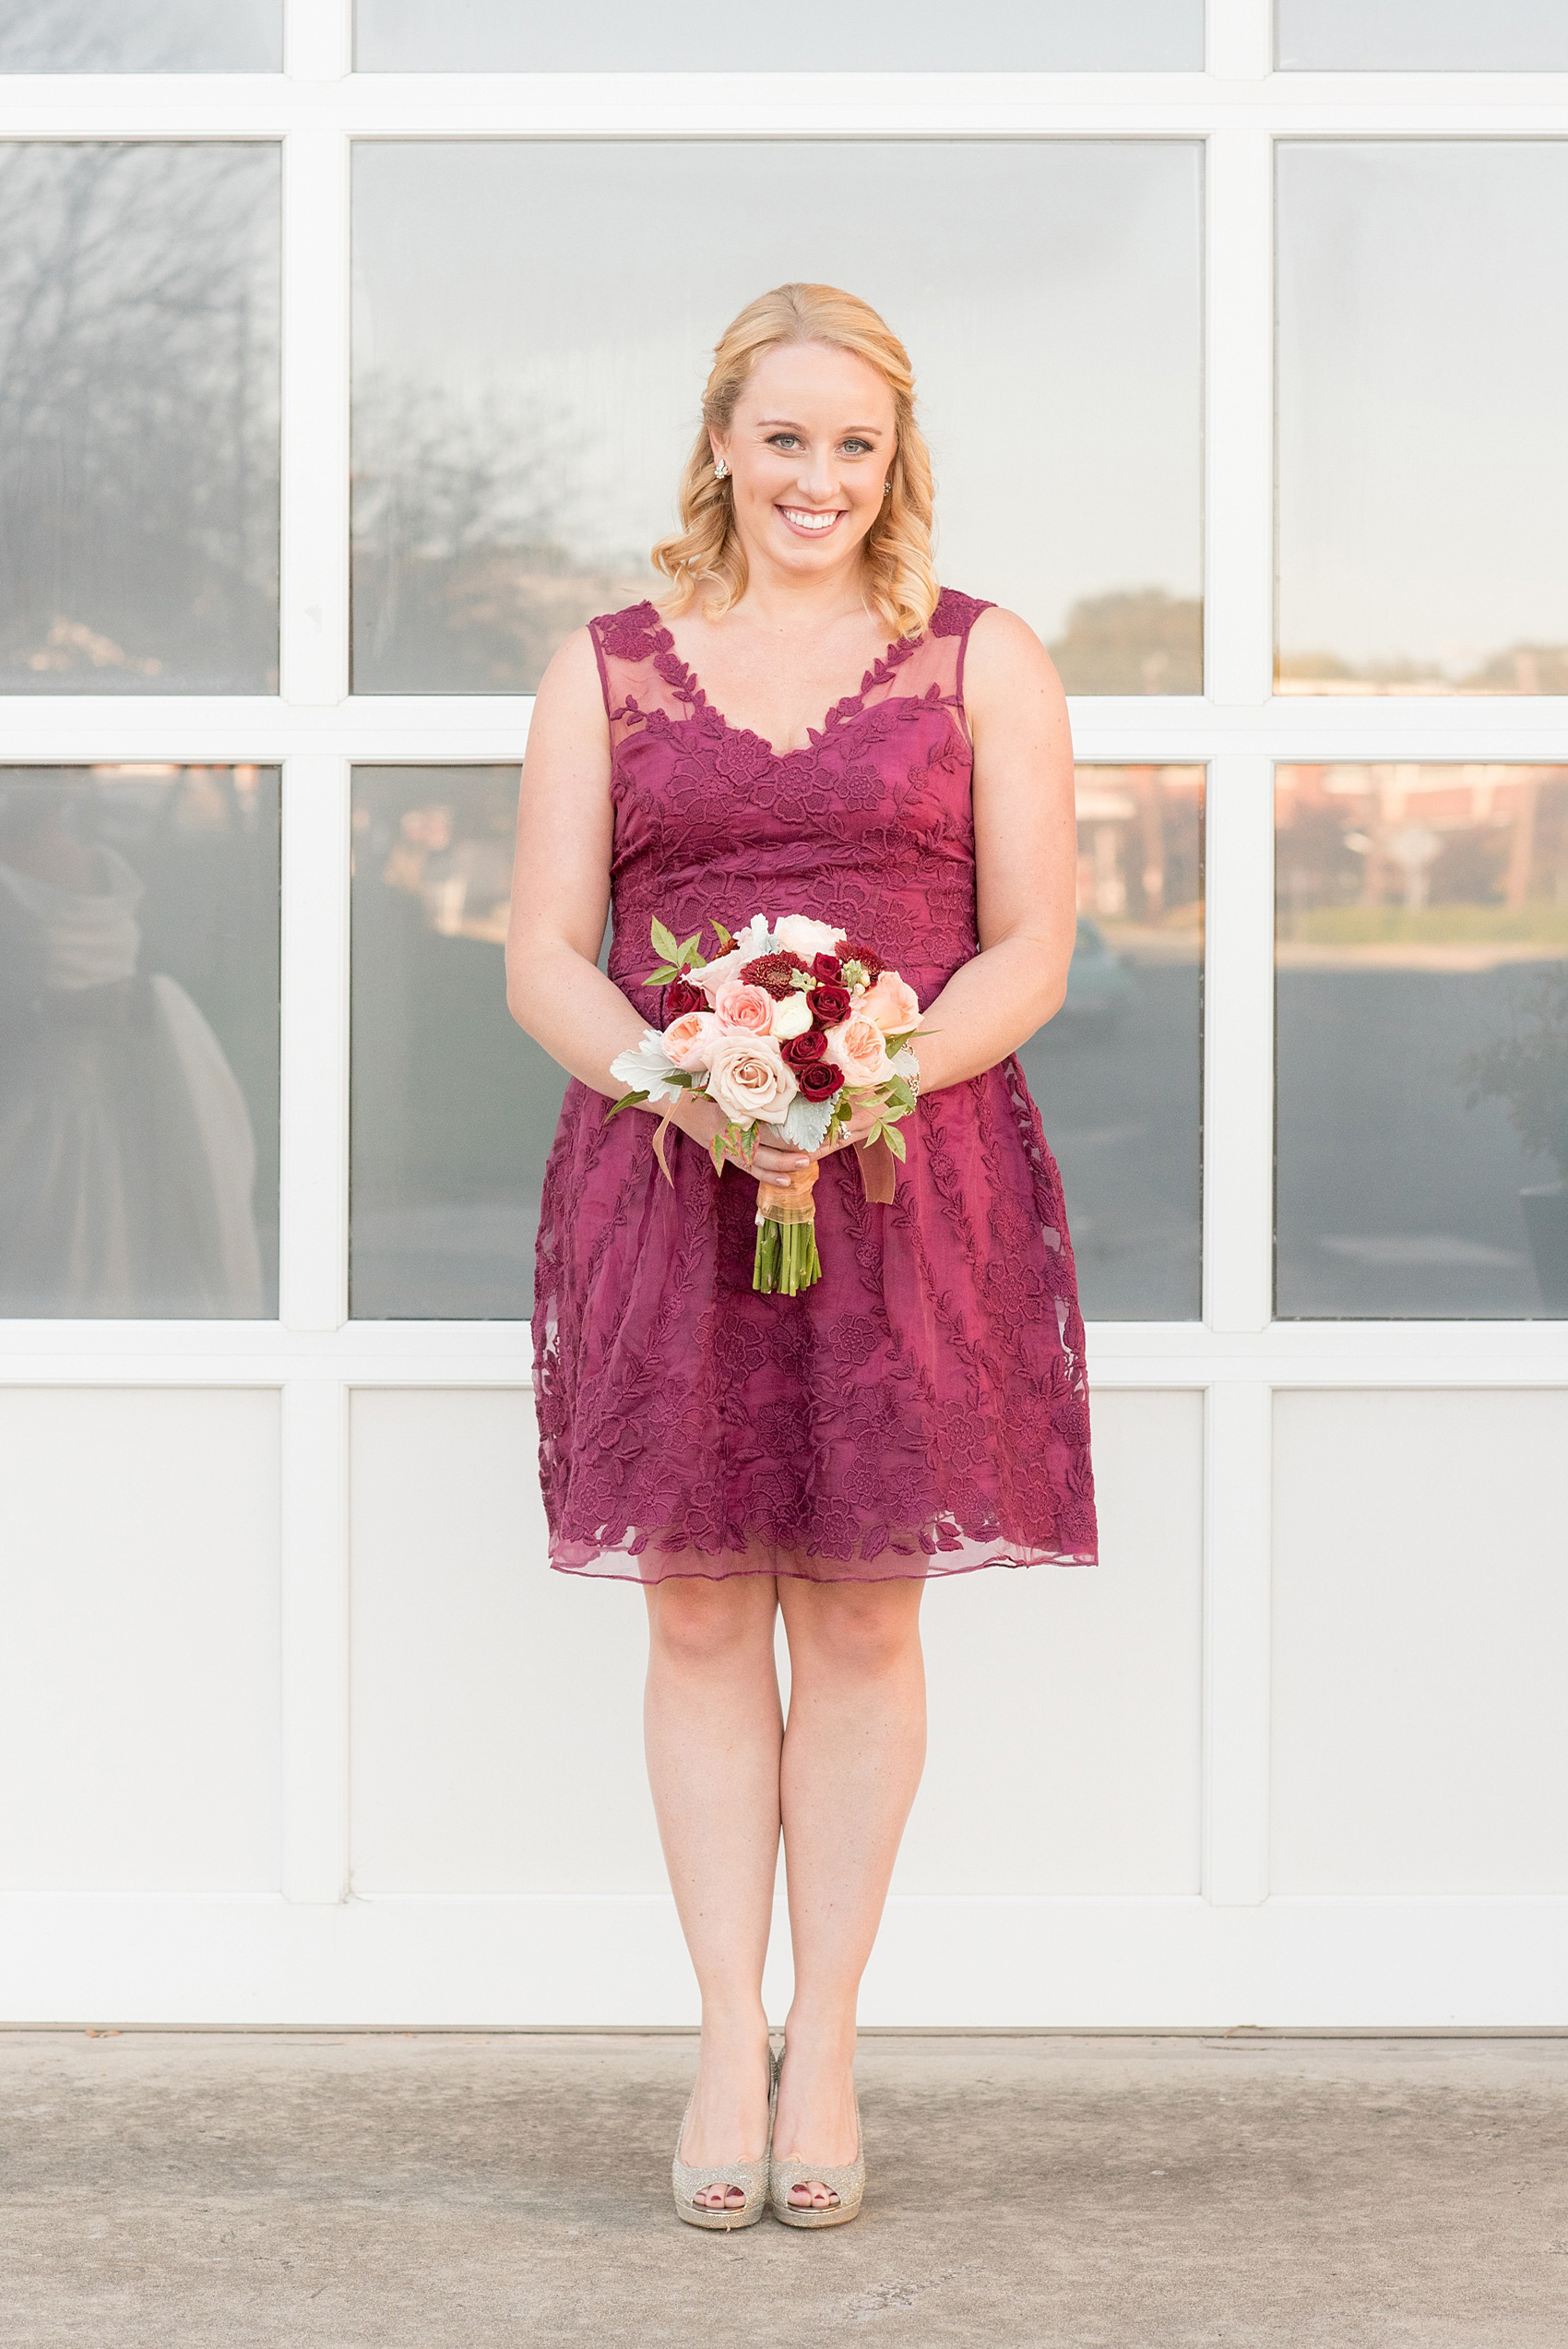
x,y
344,2192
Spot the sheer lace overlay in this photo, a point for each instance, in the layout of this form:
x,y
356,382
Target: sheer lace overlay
x,y
922,1409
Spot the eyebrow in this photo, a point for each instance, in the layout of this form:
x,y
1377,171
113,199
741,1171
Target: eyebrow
x,y
862,432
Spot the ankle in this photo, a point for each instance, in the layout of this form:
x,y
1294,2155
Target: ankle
x,y
824,2041
731,2032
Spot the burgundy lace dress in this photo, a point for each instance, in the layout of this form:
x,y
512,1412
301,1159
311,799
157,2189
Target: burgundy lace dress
x,y
922,1408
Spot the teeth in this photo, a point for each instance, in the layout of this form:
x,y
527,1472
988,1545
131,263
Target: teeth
x,y
807,521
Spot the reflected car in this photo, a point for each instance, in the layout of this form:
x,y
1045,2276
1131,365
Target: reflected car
x,y
1100,985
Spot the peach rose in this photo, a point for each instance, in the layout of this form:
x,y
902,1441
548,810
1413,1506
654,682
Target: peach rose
x,y
798,934
743,1010
689,1040
892,1003
856,1047
748,1078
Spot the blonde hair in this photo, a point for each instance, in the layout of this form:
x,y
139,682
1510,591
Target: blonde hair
x,y
705,558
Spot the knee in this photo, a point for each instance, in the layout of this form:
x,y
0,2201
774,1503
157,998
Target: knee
x,y
862,1631
692,1621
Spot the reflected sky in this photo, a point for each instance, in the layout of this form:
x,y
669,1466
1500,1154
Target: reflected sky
x,y
141,36
533,326
1373,36
814,36
1423,468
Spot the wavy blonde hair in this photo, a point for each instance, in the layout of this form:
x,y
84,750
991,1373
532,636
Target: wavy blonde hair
x,y
706,559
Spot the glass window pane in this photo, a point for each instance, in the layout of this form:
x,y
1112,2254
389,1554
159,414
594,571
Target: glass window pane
x,y
142,37
530,348
454,1109
1423,468
1423,1040
138,418
918,36
138,1067
1116,1073
1378,36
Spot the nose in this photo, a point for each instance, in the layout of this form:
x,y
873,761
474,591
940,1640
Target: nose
x,y
818,480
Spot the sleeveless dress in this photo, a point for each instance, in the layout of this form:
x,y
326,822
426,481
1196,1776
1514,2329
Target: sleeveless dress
x,y
922,1409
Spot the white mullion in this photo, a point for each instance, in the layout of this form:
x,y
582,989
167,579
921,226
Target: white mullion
x,y
319,39
1238,39
314,599
1239,1045
314,1173
314,1520
1238,424
1237,1539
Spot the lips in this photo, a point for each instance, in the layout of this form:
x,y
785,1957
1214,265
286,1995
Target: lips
x,y
807,524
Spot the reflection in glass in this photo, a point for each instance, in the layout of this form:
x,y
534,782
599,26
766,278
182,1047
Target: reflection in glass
x,y
529,353
142,37
139,417
454,1109
138,1042
1423,468
922,36
1415,36
1423,1041
1116,1073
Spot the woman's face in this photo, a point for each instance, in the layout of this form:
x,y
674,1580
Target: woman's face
x,y
809,447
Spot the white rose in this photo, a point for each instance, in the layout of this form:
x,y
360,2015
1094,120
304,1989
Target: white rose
x,y
748,1078
798,934
792,1015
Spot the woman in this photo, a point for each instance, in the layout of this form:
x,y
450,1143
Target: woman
x,y
922,1410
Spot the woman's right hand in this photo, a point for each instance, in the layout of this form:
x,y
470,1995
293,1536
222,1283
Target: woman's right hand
x,y
702,1119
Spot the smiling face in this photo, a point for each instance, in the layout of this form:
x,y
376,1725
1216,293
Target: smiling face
x,y
810,446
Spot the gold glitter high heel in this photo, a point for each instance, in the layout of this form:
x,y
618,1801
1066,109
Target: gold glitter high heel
x,y
689,2179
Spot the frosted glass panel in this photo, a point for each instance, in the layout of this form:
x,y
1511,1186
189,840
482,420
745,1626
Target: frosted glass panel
x,y
1423,468
138,1042
708,36
532,341
141,36
1117,1072
1423,1040
453,1107
138,418
1373,36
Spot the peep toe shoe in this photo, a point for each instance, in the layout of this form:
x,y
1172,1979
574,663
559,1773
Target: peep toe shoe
x,y
847,2181
689,2179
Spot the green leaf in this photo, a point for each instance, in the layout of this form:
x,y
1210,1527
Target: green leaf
x,y
688,947
893,1140
663,940
722,935
627,1100
661,975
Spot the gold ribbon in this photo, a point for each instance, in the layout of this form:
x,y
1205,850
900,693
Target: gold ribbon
x,y
790,1200
876,1169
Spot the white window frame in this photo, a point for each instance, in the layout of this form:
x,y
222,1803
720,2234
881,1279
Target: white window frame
x,y
1237,1356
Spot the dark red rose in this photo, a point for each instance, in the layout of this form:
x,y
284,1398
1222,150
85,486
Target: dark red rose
x,y
681,996
772,972
819,1080
848,952
801,1051
828,966
829,1003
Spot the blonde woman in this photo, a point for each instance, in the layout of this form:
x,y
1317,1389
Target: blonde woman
x,y
806,723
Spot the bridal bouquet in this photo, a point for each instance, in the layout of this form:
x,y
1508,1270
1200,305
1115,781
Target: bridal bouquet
x,y
788,1028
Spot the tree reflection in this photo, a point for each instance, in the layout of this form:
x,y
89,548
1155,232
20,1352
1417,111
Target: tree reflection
x,y
139,417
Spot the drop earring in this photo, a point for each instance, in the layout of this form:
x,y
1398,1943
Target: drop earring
x,y
720,469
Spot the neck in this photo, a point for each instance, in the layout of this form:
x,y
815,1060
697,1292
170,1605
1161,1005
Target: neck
x,y
782,604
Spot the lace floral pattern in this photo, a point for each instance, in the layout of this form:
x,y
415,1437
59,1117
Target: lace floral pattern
x,y
923,1408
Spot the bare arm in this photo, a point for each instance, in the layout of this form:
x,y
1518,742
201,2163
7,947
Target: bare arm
x,y
1025,857
560,895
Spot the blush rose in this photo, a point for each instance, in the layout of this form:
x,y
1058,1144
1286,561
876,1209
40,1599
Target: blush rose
x,y
690,1039
747,1077
892,1003
743,1010
858,1049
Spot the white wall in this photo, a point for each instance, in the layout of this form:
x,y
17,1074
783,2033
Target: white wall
x,y
500,1845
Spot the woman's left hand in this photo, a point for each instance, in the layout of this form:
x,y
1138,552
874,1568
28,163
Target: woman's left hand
x,y
866,1114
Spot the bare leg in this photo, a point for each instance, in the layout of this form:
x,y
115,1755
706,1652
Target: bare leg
x,y
712,1725
853,1751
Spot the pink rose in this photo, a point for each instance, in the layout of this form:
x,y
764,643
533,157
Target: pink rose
x,y
690,1039
857,1048
892,1003
743,1010
747,1077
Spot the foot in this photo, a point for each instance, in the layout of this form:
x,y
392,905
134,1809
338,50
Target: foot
x,y
729,2114
815,2120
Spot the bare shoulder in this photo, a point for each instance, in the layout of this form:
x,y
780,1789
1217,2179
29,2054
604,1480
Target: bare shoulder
x,y
571,680
1007,670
